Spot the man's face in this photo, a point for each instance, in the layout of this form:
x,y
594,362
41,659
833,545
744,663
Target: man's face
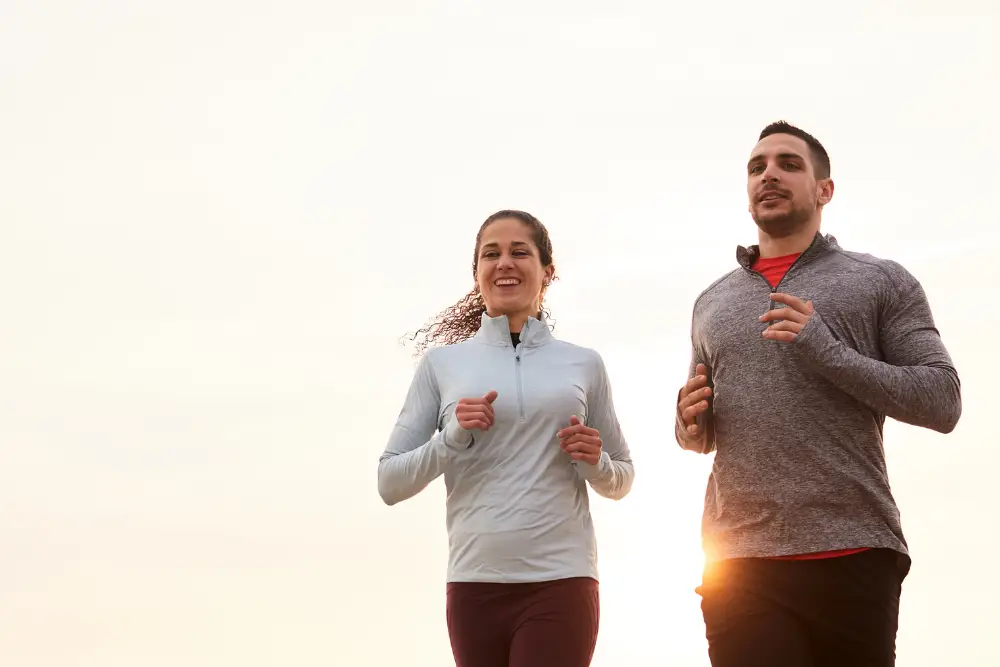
x,y
781,184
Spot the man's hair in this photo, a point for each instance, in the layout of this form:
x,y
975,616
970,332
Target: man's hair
x,y
820,160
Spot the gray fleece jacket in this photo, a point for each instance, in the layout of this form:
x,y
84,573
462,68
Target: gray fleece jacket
x,y
797,426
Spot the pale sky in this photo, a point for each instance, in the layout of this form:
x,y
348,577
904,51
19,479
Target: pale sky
x,y
219,217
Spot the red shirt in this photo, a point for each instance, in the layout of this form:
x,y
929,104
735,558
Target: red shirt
x,y
774,269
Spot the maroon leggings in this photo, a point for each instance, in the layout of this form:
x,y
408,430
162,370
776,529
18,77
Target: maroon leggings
x,y
545,624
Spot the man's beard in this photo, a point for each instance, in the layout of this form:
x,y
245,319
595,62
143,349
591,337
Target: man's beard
x,y
787,224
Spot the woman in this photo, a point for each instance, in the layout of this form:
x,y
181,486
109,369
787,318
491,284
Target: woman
x,y
518,423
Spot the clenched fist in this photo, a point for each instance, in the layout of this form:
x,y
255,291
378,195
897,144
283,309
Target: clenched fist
x,y
476,413
581,442
693,400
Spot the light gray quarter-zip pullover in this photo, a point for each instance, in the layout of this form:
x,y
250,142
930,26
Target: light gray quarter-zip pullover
x,y
517,505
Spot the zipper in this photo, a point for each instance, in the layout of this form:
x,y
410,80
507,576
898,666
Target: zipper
x,y
774,290
517,373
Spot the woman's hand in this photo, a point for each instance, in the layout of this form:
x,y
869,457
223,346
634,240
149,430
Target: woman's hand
x,y
581,442
476,413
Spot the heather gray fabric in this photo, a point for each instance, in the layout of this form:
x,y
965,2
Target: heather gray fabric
x,y
797,426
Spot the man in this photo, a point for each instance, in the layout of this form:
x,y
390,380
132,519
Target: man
x,y
799,355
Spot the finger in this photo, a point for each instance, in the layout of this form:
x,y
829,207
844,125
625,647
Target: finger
x,y
468,414
691,413
786,325
474,414
700,369
784,314
694,429
476,404
693,384
574,420
582,446
470,424
570,430
582,440
585,448
490,397
578,428
694,397
792,301
784,336
591,459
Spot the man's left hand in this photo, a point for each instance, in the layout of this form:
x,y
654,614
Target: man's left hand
x,y
793,316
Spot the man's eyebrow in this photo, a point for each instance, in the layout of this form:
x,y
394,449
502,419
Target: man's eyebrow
x,y
783,156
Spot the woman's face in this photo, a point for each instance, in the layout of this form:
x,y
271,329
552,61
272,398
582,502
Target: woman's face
x,y
510,274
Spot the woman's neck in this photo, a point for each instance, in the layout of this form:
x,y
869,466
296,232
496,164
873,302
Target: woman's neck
x,y
517,320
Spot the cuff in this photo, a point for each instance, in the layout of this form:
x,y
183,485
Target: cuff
x,y
592,473
815,337
457,438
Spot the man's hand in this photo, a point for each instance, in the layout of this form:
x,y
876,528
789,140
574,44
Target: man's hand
x,y
476,413
793,317
581,442
693,400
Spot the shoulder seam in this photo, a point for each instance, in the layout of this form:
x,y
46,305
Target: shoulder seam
x,y
875,262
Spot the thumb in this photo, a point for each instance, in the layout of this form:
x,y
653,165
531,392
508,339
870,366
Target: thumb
x,y
574,420
700,369
490,396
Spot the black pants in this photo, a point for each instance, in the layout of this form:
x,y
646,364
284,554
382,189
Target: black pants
x,y
833,612
544,624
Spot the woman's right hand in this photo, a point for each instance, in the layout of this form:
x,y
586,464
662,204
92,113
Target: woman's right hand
x,y
476,413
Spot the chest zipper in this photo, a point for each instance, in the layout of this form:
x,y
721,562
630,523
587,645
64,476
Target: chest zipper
x,y
774,290
517,375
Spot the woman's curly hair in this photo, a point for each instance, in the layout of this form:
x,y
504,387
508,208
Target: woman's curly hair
x,y
462,320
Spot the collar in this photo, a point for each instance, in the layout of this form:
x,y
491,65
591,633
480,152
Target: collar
x,y
821,243
496,331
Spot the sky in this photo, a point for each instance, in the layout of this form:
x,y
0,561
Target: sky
x,y
218,218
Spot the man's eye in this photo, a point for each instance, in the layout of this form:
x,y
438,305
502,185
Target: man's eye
x,y
791,165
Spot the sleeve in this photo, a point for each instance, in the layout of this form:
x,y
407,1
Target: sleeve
x,y
417,451
916,384
612,476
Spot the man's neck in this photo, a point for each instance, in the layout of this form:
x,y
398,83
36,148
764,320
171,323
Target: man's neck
x,y
793,244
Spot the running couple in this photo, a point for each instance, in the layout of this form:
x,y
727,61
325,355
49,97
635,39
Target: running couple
x,y
799,354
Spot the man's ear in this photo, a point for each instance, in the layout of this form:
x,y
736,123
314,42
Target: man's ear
x,y
825,191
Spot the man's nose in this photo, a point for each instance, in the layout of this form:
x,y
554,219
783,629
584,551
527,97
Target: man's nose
x,y
770,174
